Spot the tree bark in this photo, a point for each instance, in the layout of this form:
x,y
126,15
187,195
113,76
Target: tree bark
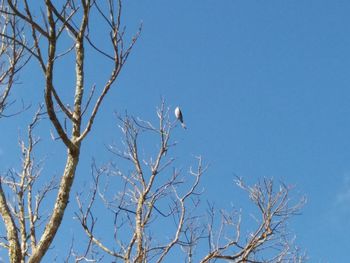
x,y
58,211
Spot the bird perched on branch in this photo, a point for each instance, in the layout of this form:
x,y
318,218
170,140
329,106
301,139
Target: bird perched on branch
x,y
178,115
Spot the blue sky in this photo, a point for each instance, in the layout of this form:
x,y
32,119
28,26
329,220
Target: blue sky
x,y
264,89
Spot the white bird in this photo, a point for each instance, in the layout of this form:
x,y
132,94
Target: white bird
x,y
178,115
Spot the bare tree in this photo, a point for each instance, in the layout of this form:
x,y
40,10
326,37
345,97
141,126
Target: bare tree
x,y
47,28
269,241
153,193
140,202
12,55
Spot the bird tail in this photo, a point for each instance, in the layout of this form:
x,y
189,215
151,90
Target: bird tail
x,y
183,125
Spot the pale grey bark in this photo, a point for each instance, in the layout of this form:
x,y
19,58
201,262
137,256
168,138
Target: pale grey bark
x,y
12,235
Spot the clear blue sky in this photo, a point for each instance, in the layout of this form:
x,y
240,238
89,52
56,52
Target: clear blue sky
x,y
265,92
